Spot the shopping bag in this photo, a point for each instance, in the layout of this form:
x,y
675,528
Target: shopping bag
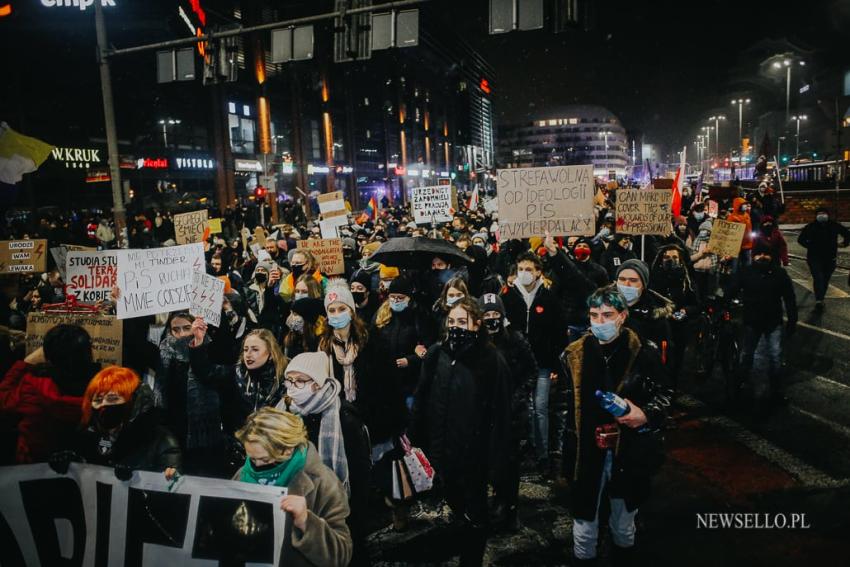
x,y
418,476
406,488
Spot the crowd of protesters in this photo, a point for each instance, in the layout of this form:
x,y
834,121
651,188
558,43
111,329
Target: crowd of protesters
x,y
315,381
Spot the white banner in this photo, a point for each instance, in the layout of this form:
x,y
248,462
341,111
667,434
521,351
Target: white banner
x,y
157,280
431,204
91,275
89,517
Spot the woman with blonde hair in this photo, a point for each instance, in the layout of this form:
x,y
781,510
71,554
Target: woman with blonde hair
x,y
301,263
280,454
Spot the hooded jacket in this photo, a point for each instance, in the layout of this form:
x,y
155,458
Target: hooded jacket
x,y
677,286
820,239
614,256
737,215
763,293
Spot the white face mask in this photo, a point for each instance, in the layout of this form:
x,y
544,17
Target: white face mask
x,y
525,278
300,396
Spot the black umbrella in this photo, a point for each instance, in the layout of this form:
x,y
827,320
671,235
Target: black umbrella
x,y
418,252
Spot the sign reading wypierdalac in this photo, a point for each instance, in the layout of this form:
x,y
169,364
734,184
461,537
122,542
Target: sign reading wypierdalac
x,y
157,280
535,200
88,517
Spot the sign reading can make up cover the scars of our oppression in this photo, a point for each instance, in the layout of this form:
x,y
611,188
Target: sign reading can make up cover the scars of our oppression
x,y
644,211
535,200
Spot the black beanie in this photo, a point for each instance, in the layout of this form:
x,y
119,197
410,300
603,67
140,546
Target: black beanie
x,y
364,278
401,285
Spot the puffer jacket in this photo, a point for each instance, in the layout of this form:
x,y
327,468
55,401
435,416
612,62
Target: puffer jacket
x,y
650,319
739,216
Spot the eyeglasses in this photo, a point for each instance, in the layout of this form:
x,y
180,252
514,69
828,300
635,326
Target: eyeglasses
x,y
297,384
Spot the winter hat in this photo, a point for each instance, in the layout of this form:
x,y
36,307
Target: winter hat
x,y
402,285
363,277
535,242
266,265
638,266
338,292
389,272
371,248
706,225
481,235
309,308
491,302
349,243
313,364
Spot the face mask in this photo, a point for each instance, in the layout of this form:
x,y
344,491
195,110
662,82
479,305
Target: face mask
x,y
300,396
822,217
745,208
453,300
670,265
399,306
605,332
301,295
630,293
295,323
263,468
581,254
525,278
442,276
110,417
604,232
459,338
359,296
297,270
339,321
261,277
493,325
699,216
704,234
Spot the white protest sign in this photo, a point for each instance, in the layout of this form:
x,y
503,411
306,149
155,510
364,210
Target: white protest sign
x,y
491,206
331,202
539,199
90,276
89,517
431,204
643,211
207,297
328,228
157,280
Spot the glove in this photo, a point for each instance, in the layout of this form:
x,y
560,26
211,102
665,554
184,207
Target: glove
x,y
123,472
790,328
61,460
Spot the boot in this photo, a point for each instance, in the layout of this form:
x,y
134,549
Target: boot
x,y
575,561
400,513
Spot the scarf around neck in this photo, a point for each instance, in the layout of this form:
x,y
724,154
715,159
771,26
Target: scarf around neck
x,y
279,475
346,355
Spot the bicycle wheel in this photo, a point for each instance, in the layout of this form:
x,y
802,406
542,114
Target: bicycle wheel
x,y
730,360
704,348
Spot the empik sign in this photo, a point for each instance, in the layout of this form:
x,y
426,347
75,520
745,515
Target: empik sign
x,y
81,4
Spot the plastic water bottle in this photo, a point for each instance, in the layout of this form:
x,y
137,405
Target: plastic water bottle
x,y
613,403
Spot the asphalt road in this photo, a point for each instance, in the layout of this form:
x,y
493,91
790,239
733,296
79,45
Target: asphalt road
x,y
721,459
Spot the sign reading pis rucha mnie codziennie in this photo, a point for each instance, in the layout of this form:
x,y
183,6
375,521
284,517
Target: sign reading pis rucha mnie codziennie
x,y
23,256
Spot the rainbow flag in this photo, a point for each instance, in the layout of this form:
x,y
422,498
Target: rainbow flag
x,y
370,212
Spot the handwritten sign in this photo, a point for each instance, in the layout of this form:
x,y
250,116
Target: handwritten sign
x,y
60,254
328,229
726,237
189,227
105,331
713,209
643,211
431,204
215,226
536,199
91,275
328,253
23,256
157,280
207,298
331,202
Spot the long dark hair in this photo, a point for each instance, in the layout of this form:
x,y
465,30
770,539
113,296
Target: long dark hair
x,y
68,351
470,305
358,334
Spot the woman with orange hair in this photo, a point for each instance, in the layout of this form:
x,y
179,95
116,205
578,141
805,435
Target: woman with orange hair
x,y
121,427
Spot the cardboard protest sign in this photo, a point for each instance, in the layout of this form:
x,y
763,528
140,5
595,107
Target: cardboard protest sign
x,y
328,253
105,331
207,297
643,211
91,275
328,229
215,226
23,256
726,238
89,517
538,199
336,218
331,202
189,227
431,204
713,208
157,280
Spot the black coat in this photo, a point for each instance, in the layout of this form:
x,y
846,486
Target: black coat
x,y
523,372
650,319
820,239
634,372
763,293
543,323
462,412
143,443
398,339
613,258
590,277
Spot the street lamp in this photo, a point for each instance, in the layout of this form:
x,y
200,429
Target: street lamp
x,y
798,119
717,120
707,130
604,134
165,124
788,64
740,102
779,147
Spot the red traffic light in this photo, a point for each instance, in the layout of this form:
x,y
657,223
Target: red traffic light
x,y
260,192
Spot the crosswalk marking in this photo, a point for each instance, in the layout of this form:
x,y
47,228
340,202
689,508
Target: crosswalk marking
x,y
823,330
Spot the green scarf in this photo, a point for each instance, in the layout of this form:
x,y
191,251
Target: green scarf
x,y
279,475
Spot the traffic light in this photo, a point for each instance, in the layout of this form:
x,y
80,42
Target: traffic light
x,y
260,193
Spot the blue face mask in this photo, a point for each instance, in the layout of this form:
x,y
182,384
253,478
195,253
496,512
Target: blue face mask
x,y
605,332
453,300
339,321
630,293
301,295
399,306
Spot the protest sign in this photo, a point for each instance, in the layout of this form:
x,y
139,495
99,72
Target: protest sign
x,y
91,275
539,199
726,238
89,517
328,253
331,202
713,208
23,256
491,206
157,280
328,229
207,297
60,253
189,227
105,332
336,218
431,204
643,211
215,226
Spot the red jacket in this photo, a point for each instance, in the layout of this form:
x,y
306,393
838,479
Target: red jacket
x,y
47,417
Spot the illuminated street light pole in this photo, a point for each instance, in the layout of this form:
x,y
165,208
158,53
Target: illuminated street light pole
x,y
165,124
741,102
605,135
717,120
788,64
799,118
707,130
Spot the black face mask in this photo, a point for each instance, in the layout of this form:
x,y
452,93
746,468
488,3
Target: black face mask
x,y
672,266
297,270
459,338
263,468
110,417
359,296
261,277
493,325
762,264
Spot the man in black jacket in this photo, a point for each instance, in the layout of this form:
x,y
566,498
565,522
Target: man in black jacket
x,y
820,239
592,277
613,358
765,286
